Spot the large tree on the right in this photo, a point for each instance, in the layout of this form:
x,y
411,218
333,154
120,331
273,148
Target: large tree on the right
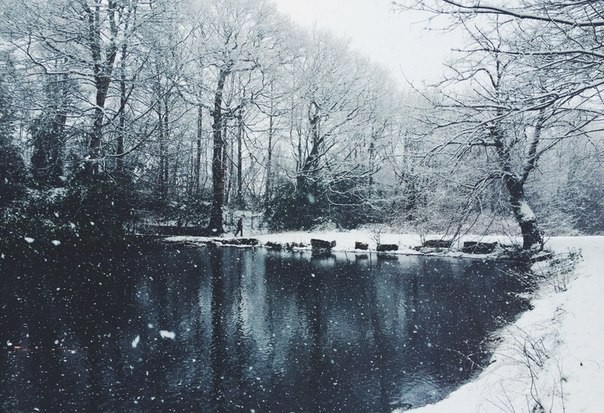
x,y
528,77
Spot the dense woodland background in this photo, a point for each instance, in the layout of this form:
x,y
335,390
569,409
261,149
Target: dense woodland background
x,y
115,113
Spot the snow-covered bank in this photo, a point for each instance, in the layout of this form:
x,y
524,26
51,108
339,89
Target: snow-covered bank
x,y
551,359
345,241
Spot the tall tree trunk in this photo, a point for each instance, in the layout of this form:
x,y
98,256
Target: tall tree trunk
x,y
310,166
269,159
371,163
96,136
162,154
123,95
166,134
103,68
176,166
56,150
216,221
227,162
122,119
197,173
239,197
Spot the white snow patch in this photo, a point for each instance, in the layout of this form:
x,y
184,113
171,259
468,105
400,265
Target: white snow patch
x,y
136,340
526,212
167,334
28,240
55,242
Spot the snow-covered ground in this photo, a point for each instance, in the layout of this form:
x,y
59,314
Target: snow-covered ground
x,y
550,360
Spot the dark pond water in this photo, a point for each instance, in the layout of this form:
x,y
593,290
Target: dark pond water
x,y
237,330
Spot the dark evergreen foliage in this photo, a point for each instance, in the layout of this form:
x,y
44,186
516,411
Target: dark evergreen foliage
x,y
89,215
12,174
33,222
344,204
12,168
351,203
46,160
99,205
297,208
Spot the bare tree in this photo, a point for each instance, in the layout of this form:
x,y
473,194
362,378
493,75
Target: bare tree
x,y
90,43
520,90
235,37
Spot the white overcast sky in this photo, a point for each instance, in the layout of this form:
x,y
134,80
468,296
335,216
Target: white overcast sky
x,y
397,41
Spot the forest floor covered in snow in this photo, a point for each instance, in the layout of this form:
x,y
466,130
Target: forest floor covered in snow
x,y
551,359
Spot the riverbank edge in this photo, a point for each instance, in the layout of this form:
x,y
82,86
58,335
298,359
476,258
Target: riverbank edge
x,y
408,244
550,358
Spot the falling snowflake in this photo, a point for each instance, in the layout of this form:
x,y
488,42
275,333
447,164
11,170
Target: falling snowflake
x,y
167,334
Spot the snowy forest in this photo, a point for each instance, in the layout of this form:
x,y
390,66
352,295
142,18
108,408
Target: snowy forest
x,y
207,206
119,113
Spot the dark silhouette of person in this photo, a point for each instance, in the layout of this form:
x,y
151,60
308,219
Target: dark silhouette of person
x,y
239,227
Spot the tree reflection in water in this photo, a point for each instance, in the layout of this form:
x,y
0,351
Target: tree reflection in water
x,y
253,330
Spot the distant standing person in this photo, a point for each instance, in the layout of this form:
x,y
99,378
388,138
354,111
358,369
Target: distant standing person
x,y
239,226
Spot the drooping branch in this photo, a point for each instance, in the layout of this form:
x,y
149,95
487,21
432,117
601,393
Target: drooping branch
x,y
475,8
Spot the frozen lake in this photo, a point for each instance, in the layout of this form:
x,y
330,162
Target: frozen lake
x,y
224,330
